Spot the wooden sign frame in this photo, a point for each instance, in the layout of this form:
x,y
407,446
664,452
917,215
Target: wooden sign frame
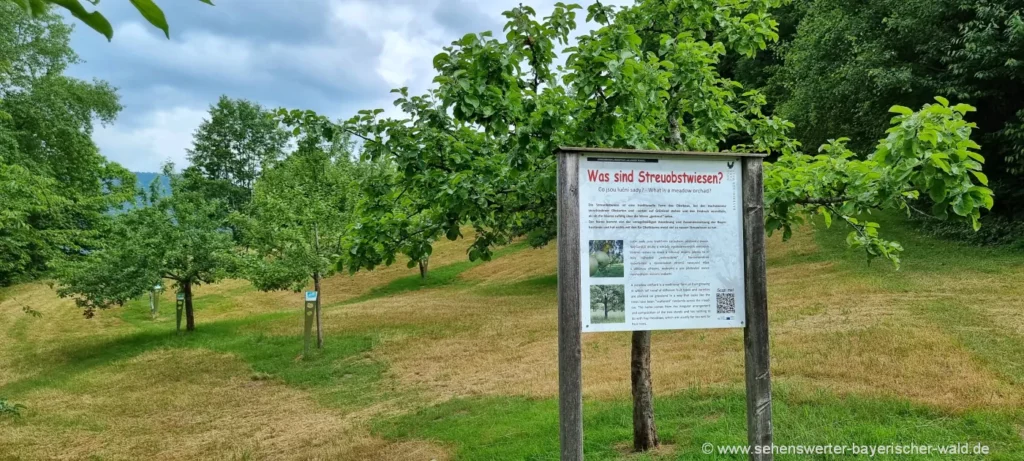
x,y
755,332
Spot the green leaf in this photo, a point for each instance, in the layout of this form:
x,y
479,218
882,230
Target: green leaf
x,y
963,206
93,19
943,101
937,192
982,177
439,60
902,110
939,210
153,14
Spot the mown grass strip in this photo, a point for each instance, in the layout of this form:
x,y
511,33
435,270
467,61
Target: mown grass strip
x,y
522,428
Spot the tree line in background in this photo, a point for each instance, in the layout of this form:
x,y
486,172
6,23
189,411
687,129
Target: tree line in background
x,y
838,64
286,197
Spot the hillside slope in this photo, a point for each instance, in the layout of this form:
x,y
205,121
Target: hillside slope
x,y
463,364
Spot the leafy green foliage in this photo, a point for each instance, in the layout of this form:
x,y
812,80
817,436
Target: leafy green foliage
x,y
480,146
180,237
230,149
607,298
94,19
848,62
297,219
296,222
927,152
56,187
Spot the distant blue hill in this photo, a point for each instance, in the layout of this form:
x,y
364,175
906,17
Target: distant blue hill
x,y
144,179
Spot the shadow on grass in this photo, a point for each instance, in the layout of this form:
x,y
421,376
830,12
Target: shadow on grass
x,y
528,287
342,371
446,275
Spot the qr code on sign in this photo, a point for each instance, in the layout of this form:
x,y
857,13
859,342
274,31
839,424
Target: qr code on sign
x,y
726,302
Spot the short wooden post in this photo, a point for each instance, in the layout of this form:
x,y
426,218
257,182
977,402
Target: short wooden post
x,y
179,308
570,368
309,310
755,334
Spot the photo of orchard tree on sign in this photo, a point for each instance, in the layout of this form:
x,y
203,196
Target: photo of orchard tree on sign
x,y
606,258
607,304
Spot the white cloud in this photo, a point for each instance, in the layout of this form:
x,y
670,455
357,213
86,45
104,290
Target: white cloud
x,y
337,56
146,143
408,40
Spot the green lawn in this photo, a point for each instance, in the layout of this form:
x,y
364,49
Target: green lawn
x,y
611,270
598,316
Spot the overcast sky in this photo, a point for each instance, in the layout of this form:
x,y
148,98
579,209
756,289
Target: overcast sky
x,y
332,56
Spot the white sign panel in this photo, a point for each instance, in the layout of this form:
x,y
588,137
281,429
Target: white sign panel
x,y
661,242
311,296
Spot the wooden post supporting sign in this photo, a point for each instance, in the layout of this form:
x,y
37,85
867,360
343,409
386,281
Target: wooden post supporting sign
x,y
570,366
620,212
755,335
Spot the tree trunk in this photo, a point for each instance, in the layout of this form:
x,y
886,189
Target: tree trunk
x,y
319,329
423,267
645,434
606,309
190,318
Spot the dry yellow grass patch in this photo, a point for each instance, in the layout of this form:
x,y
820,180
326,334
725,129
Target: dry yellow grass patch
x,y
829,329
148,408
42,339
999,297
507,346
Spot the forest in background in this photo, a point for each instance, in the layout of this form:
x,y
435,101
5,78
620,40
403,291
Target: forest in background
x,y
839,64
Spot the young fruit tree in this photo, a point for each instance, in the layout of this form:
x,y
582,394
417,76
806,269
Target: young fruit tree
x,y
178,237
484,139
297,218
607,298
401,213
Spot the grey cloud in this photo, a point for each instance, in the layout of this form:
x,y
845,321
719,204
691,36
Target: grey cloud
x,y
295,53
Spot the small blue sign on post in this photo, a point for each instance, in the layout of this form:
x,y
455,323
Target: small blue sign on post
x,y
310,311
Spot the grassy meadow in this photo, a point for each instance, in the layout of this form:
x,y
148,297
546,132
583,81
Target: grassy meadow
x,y
598,316
463,365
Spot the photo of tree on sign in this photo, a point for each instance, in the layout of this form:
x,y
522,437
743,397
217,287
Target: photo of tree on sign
x,y
606,258
607,303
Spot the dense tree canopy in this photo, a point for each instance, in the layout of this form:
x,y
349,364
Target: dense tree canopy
x,y
58,185
231,148
483,141
846,62
180,237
